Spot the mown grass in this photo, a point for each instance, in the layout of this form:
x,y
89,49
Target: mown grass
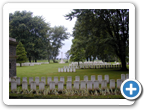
x,y
51,70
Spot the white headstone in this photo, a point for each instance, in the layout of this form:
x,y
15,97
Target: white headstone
x,y
122,77
106,77
43,79
96,85
64,69
100,78
70,69
33,85
13,85
18,80
67,69
69,85
41,85
103,84
85,78
74,70
49,79
89,85
52,85
127,76
24,79
37,81
30,80
69,78
62,79
92,78
83,85
60,85
77,78
24,85
76,85
119,82
112,83
56,80
59,70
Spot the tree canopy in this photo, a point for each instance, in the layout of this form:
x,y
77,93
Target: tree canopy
x,y
103,33
39,39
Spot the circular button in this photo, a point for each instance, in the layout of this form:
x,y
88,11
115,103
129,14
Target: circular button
x,y
131,89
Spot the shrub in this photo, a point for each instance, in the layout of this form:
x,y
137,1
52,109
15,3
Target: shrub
x,y
66,61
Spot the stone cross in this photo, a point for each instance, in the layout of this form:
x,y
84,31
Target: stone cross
x,y
62,58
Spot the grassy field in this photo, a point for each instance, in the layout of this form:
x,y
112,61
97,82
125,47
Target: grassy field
x,y
51,70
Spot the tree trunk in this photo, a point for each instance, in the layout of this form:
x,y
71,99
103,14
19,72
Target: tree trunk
x,y
35,60
123,61
20,64
90,59
87,58
30,59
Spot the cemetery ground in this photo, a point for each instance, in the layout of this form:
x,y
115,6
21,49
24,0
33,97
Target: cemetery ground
x,y
51,70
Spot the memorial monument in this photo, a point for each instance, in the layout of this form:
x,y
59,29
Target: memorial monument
x,y
61,58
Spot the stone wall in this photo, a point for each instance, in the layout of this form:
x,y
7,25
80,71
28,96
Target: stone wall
x,y
12,57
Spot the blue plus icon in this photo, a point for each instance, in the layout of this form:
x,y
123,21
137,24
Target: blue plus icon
x,y
130,89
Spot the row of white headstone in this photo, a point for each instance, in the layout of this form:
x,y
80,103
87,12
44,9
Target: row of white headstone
x,y
69,78
90,85
85,66
31,64
66,69
77,81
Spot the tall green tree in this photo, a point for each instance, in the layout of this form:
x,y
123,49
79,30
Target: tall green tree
x,y
31,31
110,27
77,52
58,34
21,54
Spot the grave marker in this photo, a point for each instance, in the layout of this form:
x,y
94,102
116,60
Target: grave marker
x,y
33,85
112,84
37,81
56,80
96,85
18,80
100,78
83,85
49,79
24,85
43,79
41,85
13,85
30,80
119,82
89,85
69,85
76,85
52,85
60,86
69,78
106,77
122,77
77,78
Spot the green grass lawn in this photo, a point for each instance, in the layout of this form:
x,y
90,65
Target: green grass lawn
x,y
51,70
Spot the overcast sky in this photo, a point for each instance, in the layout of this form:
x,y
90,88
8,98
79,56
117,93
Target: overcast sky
x,y
56,18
